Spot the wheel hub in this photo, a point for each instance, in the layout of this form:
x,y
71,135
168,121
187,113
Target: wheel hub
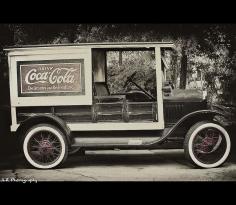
x,y
209,141
207,144
45,147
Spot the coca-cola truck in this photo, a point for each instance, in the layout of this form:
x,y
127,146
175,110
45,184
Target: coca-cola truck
x,y
90,96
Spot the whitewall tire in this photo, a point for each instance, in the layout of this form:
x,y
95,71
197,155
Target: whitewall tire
x,y
207,145
45,146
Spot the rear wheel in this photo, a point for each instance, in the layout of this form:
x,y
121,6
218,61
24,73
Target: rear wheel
x,y
45,146
207,145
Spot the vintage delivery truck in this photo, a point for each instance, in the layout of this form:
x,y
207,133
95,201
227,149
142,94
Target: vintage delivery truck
x,y
66,98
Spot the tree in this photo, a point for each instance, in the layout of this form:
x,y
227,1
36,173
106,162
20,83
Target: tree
x,y
183,70
208,47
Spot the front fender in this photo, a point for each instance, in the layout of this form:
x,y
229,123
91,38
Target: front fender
x,y
201,115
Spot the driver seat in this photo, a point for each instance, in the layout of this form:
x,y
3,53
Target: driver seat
x,y
102,93
101,89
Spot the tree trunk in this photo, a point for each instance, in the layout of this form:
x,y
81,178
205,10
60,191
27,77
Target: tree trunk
x,y
120,58
174,68
72,28
183,70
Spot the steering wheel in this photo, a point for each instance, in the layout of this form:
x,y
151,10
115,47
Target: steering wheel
x,y
129,79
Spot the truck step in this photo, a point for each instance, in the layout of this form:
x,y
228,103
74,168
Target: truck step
x,y
94,141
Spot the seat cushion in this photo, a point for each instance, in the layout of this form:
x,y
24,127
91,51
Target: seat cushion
x,y
111,98
101,89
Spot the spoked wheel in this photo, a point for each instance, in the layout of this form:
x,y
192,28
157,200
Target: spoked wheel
x,y
207,145
45,146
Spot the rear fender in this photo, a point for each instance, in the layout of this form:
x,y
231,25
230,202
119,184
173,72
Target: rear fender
x,y
45,118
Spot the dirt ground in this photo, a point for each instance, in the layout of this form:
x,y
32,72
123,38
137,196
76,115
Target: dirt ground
x,y
153,165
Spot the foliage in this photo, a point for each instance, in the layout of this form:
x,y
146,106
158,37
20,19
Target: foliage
x,y
209,48
140,61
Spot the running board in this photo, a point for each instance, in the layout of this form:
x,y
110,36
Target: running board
x,y
116,141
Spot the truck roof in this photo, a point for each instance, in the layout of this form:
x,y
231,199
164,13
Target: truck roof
x,y
93,45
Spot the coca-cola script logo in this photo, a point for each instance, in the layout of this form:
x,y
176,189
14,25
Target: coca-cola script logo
x,y
58,75
50,78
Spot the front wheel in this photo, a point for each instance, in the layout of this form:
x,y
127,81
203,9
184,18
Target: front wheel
x,y
45,146
207,145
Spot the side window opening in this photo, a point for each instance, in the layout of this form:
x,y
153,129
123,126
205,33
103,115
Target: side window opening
x,y
122,64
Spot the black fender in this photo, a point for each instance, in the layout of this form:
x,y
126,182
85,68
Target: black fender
x,y
189,120
45,118
197,116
